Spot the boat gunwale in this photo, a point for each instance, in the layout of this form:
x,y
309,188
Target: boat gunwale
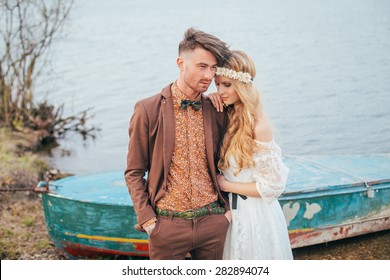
x,y
55,195
338,189
287,195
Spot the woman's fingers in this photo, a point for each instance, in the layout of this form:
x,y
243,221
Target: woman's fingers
x,y
217,101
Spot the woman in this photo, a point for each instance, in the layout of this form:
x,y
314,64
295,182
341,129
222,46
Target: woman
x,y
252,167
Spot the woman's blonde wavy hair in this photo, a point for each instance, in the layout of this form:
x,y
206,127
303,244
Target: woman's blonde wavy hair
x,y
239,140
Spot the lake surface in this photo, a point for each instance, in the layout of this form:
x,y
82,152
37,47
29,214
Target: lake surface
x,y
323,68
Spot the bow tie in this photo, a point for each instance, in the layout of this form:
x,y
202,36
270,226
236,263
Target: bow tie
x,y
196,105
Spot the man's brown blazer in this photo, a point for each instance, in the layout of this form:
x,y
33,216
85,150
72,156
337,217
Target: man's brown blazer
x,y
152,139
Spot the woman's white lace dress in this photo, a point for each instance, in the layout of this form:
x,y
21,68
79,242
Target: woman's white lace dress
x,y
258,229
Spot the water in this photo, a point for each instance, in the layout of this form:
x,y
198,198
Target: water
x,y
323,69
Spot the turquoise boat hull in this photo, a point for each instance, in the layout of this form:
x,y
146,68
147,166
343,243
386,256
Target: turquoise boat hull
x,y
331,198
327,198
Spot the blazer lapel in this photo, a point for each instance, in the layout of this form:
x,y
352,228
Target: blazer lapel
x,y
168,123
208,134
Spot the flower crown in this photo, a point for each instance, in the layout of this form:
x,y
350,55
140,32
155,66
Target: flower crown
x,y
230,73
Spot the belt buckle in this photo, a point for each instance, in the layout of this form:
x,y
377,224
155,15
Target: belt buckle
x,y
188,216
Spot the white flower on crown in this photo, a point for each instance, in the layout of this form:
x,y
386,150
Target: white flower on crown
x,y
230,73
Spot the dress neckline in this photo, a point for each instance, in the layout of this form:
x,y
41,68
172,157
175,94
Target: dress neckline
x,y
265,143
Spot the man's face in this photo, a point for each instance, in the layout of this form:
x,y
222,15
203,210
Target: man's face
x,y
197,69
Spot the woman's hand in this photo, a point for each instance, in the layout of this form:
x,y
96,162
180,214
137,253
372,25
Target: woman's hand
x,y
223,183
217,101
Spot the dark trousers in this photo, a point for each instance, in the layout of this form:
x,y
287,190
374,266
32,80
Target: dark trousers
x,y
203,238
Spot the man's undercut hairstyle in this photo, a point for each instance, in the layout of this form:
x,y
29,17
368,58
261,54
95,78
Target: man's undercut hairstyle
x,y
194,38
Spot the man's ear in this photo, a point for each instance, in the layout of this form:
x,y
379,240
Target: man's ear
x,y
180,63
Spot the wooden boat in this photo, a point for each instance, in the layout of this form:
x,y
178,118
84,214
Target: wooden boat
x,y
333,197
326,198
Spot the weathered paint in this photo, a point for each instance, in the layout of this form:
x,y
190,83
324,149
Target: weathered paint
x,y
105,238
334,209
290,211
311,210
326,198
75,250
311,236
76,224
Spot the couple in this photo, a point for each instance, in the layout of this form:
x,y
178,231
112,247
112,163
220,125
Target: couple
x,y
181,138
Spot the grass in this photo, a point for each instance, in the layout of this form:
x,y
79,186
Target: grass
x,y
23,233
23,230
20,167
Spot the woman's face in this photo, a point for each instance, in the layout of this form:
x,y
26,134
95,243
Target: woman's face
x,y
226,90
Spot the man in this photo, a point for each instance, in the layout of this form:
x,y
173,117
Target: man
x,y
175,136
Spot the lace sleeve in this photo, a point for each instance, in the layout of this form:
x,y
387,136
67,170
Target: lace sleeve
x,y
270,172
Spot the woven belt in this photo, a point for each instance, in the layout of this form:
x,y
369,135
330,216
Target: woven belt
x,y
212,208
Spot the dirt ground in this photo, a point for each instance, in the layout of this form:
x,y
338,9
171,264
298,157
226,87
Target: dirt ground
x,y
23,236
373,246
